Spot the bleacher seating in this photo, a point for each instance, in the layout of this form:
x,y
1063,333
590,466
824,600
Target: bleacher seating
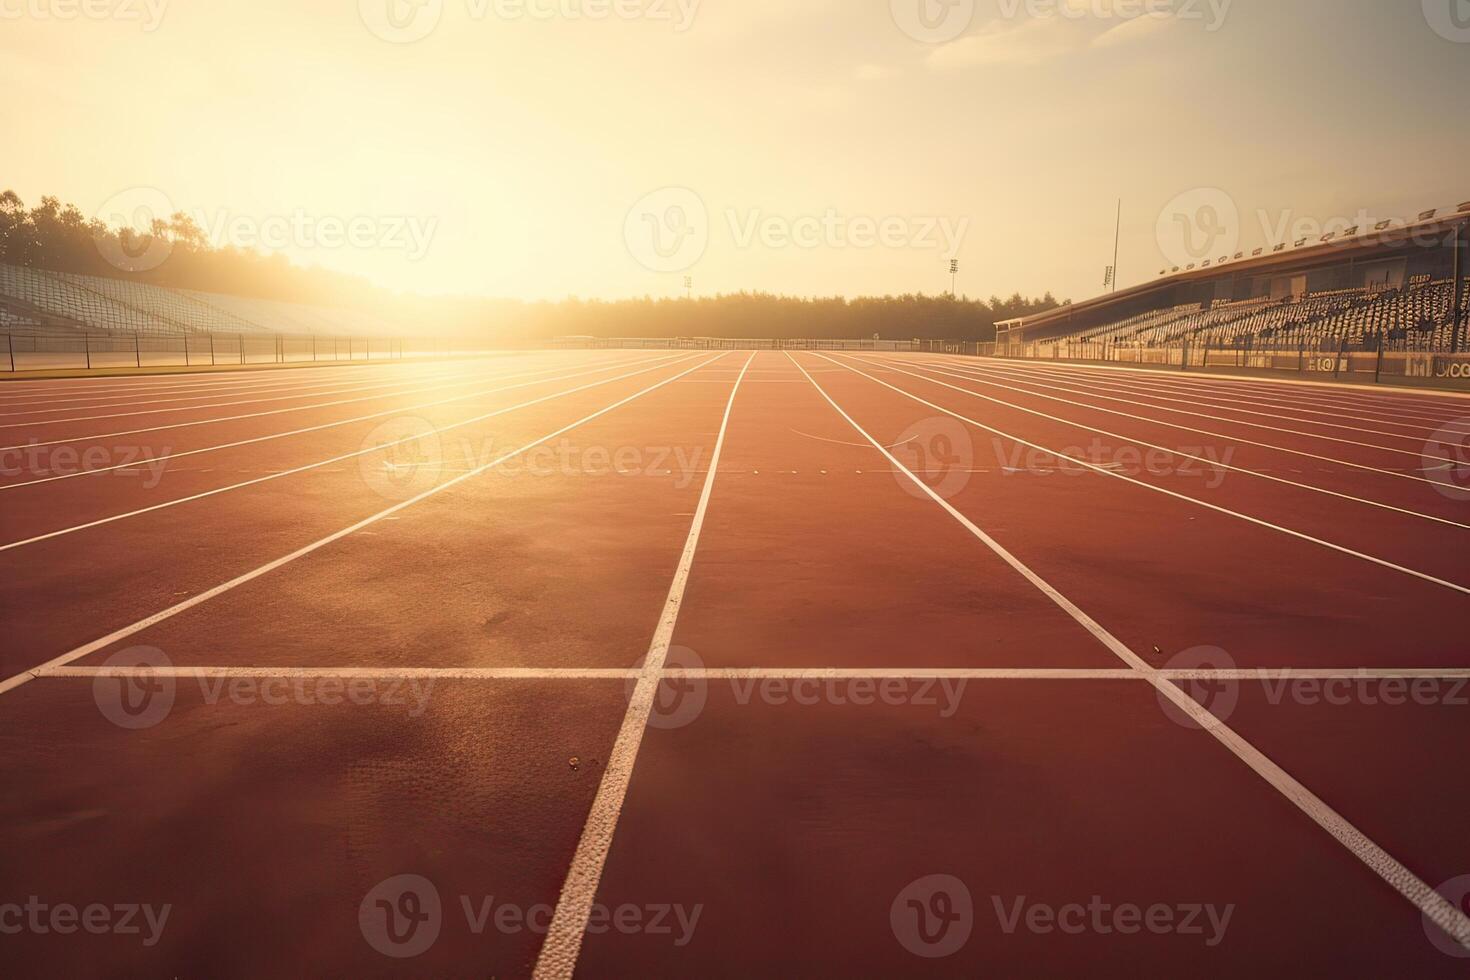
x,y
169,307
293,317
1411,318
32,299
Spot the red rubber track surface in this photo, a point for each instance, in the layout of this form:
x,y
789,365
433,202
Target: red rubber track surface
x,y
870,683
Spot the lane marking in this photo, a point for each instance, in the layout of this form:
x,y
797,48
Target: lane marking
x,y
1441,912
563,943
277,387
1378,391
1342,549
781,673
86,649
309,392
413,388
1216,398
1262,425
1239,440
1356,396
607,366
222,383
1217,464
377,447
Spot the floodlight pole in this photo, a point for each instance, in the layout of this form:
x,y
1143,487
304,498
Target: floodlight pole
x,y
1117,236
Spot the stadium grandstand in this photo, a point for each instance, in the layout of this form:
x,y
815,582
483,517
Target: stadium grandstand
x,y
1397,289
37,300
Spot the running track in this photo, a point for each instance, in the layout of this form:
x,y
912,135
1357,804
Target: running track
x,y
639,663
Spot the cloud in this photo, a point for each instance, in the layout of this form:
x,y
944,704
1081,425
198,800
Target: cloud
x,y
1034,41
1136,29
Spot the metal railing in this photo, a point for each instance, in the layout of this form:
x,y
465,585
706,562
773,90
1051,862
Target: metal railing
x,y
733,343
72,349
1380,363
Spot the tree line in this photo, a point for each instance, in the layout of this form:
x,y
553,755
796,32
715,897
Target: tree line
x,y
60,238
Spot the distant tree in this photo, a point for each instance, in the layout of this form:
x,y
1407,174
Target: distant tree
x,y
61,238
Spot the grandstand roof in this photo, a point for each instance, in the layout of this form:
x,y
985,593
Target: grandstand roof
x,y
1325,252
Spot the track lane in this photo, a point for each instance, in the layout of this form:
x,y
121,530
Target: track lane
x,y
127,575
1171,575
560,564
1416,529
83,430
175,477
831,528
1420,488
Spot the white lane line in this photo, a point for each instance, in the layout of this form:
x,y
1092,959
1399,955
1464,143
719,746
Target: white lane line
x,y
1341,549
119,400
222,384
372,673
480,393
1296,400
1354,396
9,411
785,673
558,958
1217,464
339,390
1261,425
1425,397
1441,912
121,634
1228,400
376,447
413,388
1397,474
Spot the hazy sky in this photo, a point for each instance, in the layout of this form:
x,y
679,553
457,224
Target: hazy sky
x,y
545,148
